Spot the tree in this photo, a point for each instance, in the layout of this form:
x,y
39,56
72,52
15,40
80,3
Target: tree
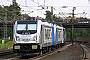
x,y
48,15
2,13
25,16
13,12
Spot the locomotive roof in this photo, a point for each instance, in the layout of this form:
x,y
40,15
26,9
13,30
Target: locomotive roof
x,y
26,21
32,21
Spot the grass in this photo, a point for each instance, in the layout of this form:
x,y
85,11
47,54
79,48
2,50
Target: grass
x,y
6,45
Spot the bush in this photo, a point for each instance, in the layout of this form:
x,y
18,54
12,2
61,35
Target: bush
x,y
9,44
0,41
5,40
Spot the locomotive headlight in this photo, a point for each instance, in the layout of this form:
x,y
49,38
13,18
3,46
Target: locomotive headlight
x,y
34,46
35,38
17,47
17,38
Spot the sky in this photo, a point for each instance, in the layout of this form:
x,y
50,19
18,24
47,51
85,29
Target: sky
x,y
34,5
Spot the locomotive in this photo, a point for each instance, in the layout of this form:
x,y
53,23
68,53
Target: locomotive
x,y
37,36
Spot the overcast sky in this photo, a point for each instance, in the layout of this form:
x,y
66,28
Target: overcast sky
x,y
81,6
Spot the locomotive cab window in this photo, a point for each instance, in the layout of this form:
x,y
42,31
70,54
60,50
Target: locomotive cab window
x,y
26,28
21,27
32,27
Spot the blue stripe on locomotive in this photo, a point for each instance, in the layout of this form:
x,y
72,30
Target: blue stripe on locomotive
x,y
52,35
56,36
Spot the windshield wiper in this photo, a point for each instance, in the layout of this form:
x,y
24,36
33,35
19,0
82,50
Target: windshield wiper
x,y
23,30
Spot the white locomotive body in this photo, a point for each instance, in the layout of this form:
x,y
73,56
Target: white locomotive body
x,y
36,36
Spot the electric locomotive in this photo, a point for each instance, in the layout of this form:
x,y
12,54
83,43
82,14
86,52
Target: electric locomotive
x,y
36,36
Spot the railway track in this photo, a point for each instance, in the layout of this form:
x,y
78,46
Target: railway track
x,y
38,57
6,52
50,53
86,51
85,47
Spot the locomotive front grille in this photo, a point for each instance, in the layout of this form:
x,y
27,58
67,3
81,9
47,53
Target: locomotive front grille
x,y
25,40
25,48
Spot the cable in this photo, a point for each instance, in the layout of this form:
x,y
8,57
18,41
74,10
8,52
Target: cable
x,y
35,2
33,8
62,15
9,11
86,9
48,2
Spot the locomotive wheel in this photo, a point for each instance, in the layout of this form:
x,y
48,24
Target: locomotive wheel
x,y
40,52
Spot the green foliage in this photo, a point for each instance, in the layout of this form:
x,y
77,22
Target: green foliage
x,y
9,32
11,12
68,32
48,15
5,40
78,32
25,16
1,32
7,45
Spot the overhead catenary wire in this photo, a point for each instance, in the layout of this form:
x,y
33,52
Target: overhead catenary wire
x,y
57,6
35,2
47,1
31,6
86,9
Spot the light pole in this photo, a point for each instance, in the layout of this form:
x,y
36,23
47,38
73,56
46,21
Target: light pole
x,y
72,37
5,25
72,22
51,14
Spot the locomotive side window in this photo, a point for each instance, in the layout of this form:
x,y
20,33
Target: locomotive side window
x,y
45,33
59,33
48,33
